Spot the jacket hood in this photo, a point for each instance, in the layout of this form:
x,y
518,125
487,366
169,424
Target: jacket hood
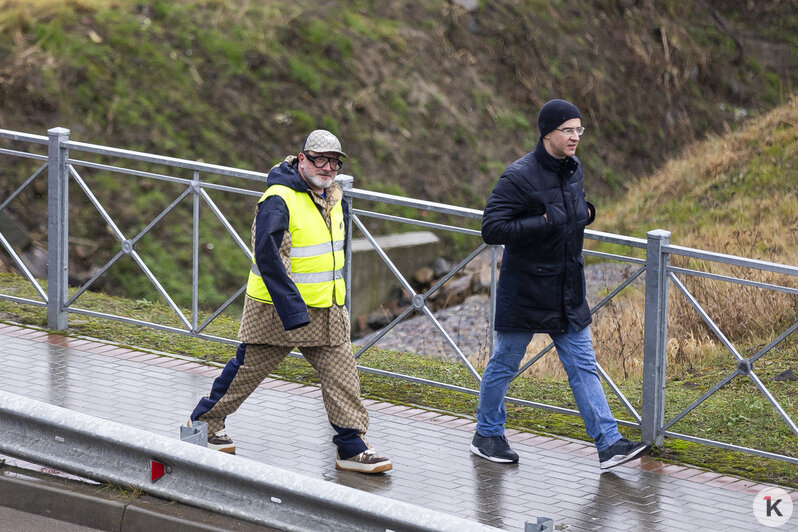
x,y
287,174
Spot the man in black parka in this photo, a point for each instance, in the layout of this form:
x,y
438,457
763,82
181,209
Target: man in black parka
x,y
538,211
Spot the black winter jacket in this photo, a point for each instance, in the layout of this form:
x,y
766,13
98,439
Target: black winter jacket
x,y
541,286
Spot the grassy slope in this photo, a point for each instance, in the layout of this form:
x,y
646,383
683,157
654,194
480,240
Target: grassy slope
x,y
417,91
736,193
432,101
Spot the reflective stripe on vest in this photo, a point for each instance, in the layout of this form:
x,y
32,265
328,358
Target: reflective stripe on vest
x,y
317,257
309,277
318,249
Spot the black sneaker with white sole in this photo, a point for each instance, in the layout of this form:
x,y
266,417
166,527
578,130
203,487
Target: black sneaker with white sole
x,y
620,452
493,448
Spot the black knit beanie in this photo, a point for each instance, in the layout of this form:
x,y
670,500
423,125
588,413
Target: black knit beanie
x,y
555,112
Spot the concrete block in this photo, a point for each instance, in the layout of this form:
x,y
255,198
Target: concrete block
x,y
373,283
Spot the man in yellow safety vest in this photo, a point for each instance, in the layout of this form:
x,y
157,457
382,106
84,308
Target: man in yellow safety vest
x,y
295,298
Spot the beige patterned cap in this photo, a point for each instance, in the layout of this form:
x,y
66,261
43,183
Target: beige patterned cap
x,y
322,141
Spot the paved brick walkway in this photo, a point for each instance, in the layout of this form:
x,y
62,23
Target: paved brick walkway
x,y
284,424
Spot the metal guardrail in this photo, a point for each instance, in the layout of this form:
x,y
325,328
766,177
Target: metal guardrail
x,y
62,165
111,452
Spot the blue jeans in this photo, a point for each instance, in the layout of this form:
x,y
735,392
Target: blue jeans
x,y
575,350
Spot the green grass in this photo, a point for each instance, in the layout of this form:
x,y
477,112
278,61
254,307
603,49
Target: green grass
x,y
737,414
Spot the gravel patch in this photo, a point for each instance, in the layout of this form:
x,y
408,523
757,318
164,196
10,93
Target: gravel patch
x,y
468,324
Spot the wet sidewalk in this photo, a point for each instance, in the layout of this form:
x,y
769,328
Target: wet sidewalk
x,y
284,424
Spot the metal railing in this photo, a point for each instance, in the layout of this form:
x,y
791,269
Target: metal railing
x,y
744,367
62,164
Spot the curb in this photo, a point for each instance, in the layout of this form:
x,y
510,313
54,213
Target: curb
x,y
105,507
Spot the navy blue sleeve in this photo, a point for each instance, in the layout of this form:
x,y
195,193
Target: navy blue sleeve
x,y
511,216
345,208
271,225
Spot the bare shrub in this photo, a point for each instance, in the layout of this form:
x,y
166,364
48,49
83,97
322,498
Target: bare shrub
x,y
744,315
549,365
618,336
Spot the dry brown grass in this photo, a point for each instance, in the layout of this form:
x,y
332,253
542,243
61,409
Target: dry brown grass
x,y
618,339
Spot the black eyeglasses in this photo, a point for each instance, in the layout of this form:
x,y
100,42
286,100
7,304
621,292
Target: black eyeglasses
x,y
319,161
569,131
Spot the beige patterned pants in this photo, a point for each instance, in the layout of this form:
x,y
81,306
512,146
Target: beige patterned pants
x,y
340,385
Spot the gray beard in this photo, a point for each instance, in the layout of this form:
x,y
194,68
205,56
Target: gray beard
x,y
317,182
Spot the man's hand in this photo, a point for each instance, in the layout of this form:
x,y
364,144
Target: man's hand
x,y
555,216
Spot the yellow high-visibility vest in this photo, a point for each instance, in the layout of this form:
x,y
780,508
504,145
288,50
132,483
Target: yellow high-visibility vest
x,y
317,254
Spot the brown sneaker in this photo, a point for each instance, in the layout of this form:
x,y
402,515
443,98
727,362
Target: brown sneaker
x,y
366,462
220,441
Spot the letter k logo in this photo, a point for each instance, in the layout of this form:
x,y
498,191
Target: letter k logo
x,y
772,506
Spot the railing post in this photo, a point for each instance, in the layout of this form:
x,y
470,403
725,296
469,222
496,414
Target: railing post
x,y
58,229
347,183
656,337
196,188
